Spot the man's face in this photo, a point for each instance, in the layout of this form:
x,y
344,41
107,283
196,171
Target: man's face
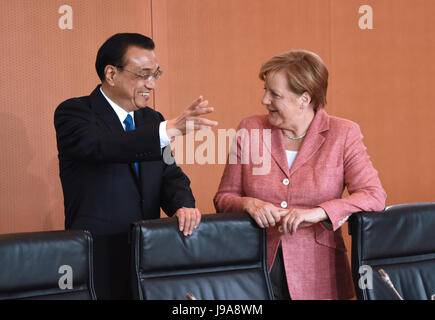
x,y
131,89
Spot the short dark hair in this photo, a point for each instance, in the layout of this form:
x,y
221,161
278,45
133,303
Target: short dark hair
x,y
113,50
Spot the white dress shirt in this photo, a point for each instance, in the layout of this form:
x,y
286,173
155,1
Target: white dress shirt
x,y
122,114
291,155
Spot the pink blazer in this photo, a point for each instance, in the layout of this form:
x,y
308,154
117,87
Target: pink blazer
x,y
331,157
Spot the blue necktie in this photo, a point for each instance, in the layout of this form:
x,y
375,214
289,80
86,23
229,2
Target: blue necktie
x,y
129,126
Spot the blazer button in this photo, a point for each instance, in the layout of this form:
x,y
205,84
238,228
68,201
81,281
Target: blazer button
x,y
286,182
284,204
281,229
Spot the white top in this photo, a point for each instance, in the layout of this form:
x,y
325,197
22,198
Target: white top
x,y
122,114
291,155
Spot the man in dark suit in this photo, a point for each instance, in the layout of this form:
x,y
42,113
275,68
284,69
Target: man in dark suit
x,y
110,156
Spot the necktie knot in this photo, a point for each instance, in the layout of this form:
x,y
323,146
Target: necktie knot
x,y
129,125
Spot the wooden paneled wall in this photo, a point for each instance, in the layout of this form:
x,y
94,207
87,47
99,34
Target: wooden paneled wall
x,y
380,78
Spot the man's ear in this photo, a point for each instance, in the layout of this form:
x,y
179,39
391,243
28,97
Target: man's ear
x,y
110,74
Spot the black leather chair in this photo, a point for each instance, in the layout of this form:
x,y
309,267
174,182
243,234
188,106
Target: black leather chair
x,y
52,265
401,241
224,258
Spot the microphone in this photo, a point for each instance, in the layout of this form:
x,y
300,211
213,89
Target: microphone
x,y
387,280
190,296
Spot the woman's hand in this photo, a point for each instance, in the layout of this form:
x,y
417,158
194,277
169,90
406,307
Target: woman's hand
x,y
302,218
264,213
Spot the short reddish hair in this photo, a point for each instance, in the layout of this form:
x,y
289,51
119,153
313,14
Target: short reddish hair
x,y
305,72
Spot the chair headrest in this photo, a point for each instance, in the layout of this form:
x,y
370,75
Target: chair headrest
x,y
221,239
32,262
400,230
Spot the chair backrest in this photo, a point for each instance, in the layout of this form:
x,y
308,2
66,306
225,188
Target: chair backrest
x,y
52,265
224,258
401,241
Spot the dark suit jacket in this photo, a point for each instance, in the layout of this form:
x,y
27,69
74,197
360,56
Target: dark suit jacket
x,y
102,193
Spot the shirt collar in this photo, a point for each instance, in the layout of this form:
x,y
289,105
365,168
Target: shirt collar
x,y
121,113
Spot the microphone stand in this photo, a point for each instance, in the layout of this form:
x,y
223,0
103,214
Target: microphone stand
x,y
387,280
190,296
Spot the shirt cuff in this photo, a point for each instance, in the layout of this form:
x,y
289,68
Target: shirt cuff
x,y
164,140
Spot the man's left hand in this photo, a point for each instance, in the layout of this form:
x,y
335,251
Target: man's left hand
x,y
188,219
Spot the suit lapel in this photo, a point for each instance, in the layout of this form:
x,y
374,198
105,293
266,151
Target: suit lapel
x,y
105,111
278,155
138,118
312,143
313,140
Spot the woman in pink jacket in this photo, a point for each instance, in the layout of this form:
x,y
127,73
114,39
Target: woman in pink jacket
x,y
307,159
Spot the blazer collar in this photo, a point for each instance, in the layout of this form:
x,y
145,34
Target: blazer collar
x,y
278,153
102,107
139,118
313,140
311,144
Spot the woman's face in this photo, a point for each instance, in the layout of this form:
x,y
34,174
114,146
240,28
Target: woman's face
x,y
283,105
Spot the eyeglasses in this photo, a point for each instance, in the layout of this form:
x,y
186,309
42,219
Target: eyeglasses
x,y
147,77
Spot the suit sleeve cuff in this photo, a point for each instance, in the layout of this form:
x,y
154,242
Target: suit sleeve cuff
x,y
337,216
164,139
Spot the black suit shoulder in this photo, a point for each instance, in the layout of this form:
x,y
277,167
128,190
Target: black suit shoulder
x,y
88,129
150,115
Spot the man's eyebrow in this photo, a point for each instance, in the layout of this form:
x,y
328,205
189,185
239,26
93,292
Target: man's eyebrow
x,y
150,69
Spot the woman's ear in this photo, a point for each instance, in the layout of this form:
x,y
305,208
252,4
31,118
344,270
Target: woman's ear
x,y
305,99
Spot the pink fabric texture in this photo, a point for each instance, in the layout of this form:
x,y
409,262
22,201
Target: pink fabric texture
x,y
332,157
